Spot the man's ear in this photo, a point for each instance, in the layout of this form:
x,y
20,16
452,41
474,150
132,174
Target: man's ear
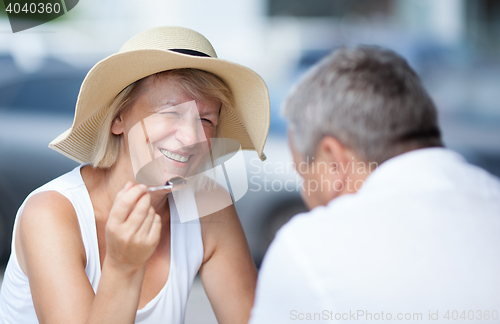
x,y
333,153
117,126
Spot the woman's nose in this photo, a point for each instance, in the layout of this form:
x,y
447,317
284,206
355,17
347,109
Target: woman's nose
x,y
189,131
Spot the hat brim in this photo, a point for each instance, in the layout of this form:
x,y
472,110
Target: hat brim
x,y
248,123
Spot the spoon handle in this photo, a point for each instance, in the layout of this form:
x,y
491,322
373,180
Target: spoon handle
x,y
174,183
163,187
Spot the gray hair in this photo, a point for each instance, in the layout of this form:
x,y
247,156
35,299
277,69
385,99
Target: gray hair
x,y
369,99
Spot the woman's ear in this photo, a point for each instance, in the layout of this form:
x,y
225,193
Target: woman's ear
x,y
117,125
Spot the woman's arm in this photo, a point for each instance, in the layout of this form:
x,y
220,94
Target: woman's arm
x,y
52,255
228,272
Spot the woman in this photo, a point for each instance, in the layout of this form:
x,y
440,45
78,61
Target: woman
x,y
94,245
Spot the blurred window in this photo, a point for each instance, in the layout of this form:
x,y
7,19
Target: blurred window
x,y
46,94
328,8
483,23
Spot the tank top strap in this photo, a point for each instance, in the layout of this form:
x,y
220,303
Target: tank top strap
x,y
186,229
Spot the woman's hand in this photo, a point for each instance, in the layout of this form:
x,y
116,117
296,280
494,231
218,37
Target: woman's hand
x,y
132,230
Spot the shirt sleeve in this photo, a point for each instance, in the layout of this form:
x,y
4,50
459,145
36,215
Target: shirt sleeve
x,y
286,290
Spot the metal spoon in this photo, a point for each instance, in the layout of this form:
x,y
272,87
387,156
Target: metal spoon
x,y
175,183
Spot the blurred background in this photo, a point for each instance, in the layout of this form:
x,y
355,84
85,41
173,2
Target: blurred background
x,y
453,44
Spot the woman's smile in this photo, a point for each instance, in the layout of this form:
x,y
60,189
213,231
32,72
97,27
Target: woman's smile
x,y
181,158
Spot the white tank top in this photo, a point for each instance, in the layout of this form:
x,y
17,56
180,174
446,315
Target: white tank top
x,y
16,303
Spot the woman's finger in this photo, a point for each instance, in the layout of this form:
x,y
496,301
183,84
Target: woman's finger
x,y
155,231
138,214
125,202
147,223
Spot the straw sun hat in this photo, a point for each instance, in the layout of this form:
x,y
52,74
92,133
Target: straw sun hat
x,y
156,50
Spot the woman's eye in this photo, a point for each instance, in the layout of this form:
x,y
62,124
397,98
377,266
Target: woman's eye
x,y
207,121
170,113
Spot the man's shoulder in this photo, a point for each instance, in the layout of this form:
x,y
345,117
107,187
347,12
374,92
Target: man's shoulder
x,y
336,210
315,226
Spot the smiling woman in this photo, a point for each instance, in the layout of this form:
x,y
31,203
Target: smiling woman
x,y
176,114
94,245
202,86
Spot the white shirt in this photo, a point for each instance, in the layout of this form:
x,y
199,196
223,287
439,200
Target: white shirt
x,y
419,241
186,247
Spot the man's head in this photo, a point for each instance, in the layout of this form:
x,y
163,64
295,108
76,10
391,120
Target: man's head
x,y
357,107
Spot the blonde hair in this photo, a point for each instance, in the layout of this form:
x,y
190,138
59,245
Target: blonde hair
x,y
200,85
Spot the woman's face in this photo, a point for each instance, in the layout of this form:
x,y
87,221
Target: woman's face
x,y
168,132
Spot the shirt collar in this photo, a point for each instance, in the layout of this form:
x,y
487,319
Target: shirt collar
x,y
415,171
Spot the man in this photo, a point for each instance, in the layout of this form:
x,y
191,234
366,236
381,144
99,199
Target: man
x,y
415,239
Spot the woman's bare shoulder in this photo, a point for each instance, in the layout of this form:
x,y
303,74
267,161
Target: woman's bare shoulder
x,y
48,219
47,208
